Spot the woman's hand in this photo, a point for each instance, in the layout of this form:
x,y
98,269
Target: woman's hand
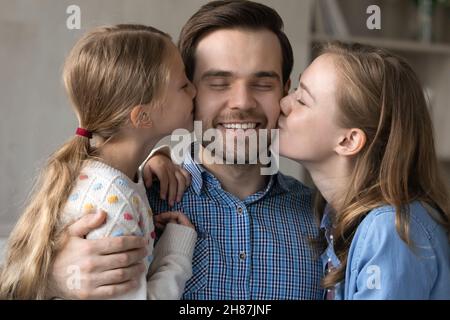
x,y
172,178
162,219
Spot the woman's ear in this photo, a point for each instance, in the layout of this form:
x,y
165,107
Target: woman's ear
x,y
140,117
351,143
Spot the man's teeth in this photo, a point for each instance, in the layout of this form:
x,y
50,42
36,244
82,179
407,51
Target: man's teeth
x,y
244,126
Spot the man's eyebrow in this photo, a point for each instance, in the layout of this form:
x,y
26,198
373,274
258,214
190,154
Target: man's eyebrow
x,y
229,74
216,73
267,74
304,87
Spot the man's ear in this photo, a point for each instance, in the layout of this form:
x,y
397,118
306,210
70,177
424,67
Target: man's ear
x,y
287,87
140,117
351,143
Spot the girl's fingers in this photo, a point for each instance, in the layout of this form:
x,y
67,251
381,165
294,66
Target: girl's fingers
x,y
167,217
173,217
181,184
186,175
159,226
172,186
148,176
163,184
184,220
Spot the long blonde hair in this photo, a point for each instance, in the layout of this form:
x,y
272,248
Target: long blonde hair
x,y
381,95
109,71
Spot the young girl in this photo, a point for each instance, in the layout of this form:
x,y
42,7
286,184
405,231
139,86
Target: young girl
x,y
128,87
359,124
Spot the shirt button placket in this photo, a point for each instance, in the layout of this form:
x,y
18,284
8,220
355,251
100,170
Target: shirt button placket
x,y
242,255
243,220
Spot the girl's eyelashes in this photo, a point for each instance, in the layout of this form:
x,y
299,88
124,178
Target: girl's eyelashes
x,y
185,86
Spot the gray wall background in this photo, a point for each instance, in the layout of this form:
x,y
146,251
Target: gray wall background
x,y
35,114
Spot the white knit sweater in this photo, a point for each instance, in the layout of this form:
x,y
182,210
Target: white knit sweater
x,y
100,186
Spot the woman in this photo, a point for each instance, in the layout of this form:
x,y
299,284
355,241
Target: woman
x,y
359,124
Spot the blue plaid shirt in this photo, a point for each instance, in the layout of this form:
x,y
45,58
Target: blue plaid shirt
x,y
258,248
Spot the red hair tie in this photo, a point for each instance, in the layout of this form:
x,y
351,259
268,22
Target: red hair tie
x,y
83,133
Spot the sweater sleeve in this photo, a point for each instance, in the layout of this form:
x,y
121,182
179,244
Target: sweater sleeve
x,y
124,219
172,263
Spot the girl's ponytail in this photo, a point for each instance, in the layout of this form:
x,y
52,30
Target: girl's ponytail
x,y
33,242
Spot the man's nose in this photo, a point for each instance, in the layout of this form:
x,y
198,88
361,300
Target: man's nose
x,y
241,97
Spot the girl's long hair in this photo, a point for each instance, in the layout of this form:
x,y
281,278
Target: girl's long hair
x,y
381,95
109,71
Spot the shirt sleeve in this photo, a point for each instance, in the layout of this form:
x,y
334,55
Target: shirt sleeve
x,y
172,263
383,266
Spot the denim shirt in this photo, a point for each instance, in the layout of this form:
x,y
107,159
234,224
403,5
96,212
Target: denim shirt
x,y
381,265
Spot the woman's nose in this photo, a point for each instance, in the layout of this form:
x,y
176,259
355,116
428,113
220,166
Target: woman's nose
x,y
285,106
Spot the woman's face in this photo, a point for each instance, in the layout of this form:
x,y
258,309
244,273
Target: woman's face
x,y
308,126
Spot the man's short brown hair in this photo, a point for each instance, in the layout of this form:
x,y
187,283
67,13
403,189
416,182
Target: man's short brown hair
x,y
229,14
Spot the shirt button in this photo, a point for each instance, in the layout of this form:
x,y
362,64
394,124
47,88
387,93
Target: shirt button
x,y
242,255
239,210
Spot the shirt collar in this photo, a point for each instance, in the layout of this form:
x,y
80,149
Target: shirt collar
x,y
326,222
196,172
199,173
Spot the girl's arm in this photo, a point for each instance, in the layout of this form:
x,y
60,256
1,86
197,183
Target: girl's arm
x,y
173,179
172,257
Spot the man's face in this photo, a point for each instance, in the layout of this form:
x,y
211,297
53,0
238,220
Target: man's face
x,y
238,75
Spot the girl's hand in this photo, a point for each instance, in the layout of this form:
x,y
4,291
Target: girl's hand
x,y
162,219
172,178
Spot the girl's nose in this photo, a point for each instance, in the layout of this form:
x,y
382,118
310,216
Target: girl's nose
x,y
193,89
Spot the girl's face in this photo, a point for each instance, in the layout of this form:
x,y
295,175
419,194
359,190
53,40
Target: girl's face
x,y
308,127
177,110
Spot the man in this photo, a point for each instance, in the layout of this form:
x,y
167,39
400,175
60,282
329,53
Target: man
x,y
254,231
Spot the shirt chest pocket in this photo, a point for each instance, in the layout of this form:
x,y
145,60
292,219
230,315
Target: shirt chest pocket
x,y
200,264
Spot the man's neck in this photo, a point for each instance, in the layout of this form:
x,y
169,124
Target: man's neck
x,y
241,180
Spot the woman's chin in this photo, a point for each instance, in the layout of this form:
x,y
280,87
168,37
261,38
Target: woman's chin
x,y
289,152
